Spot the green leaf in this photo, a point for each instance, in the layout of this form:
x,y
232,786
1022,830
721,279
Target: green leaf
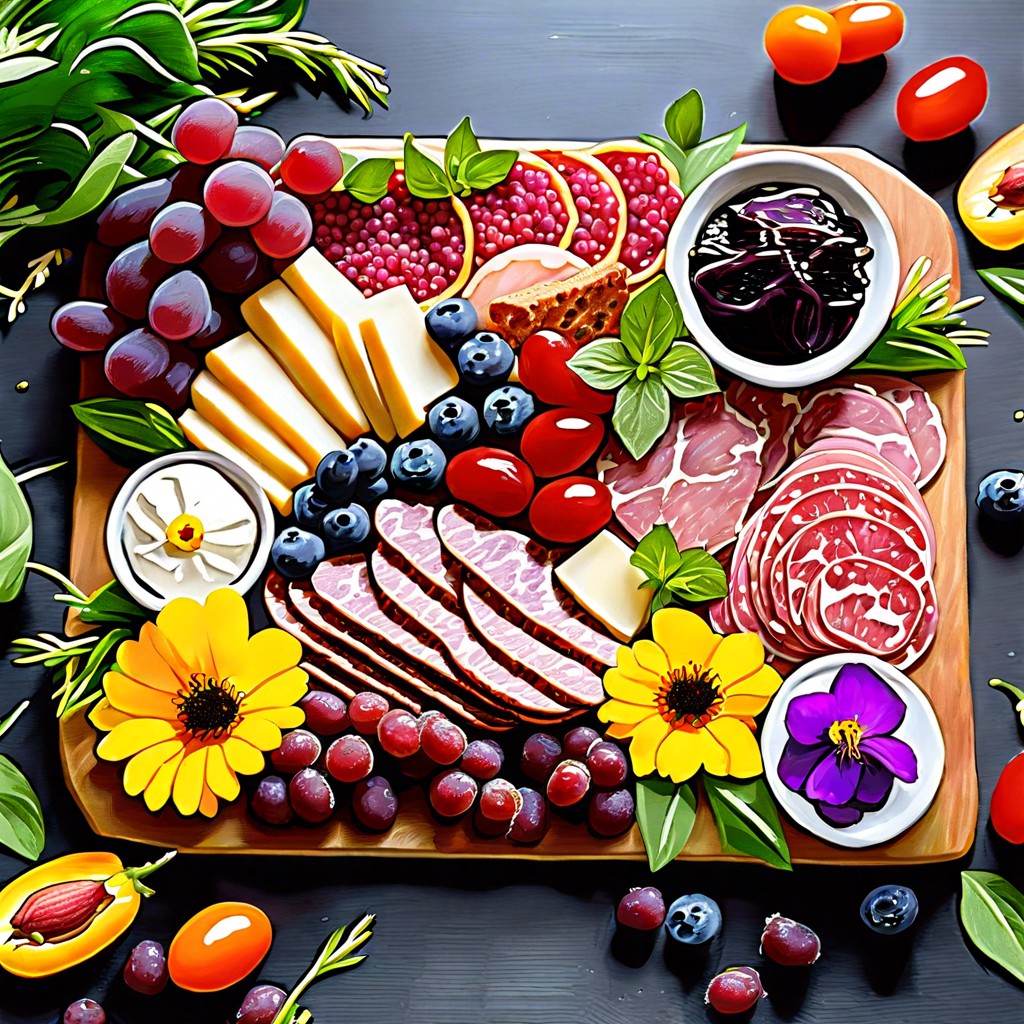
x,y
911,354
110,604
368,180
684,120
651,321
604,364
21,818
459,147
1005,281
15,534
992,913
484,170
668,149
665,813
130,430
16,68
425,178
641,414
747,820
699,577
686,371
657,554
706,158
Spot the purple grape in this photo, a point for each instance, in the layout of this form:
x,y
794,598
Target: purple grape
x,y
234,265
482,759
261,1004
530,824
541,752
86,326
126,218
578,741
146,969
610,813
180,232
311,796
270,801
131,278
85,1011
375,804
180,306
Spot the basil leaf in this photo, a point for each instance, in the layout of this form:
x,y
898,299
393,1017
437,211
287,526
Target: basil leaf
x,y
130,430
651,321
1005,281
110,604
424,177
348,161
665,813
747,820
604,365
657,554
459,147
686,371
667,149
699,577
684,120
484,170
913,352
368,179
992,913
641,414
15,534
706,158
21,818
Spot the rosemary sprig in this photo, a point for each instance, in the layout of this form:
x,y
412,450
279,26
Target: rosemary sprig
x,y
38,272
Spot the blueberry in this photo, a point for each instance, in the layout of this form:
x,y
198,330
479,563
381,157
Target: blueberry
x,y
296,553
310,506
345,527
336,476
485,360
419,465
889,909
507,409
370,457
693,920
451,322
1001,495
370,492
455,423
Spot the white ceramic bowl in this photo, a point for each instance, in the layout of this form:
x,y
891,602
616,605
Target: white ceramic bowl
x,y
247,486
799,169
907,803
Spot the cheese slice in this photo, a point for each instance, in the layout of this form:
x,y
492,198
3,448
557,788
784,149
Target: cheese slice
x,y
601,579
411,369
256,379
209,438
280,320
222,410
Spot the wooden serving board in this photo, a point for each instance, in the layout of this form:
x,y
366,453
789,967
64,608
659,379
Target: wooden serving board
x,y
946,831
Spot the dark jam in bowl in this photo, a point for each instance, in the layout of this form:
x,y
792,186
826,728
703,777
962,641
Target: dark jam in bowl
x,y
779,274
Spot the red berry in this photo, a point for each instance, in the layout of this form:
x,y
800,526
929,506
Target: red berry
x,y
311,166
349,759
568,510
543,369
607,764
483,759
299,749
398,732
204,130
286,229
541,752
442,741
568,783
238,193
789,943
1007,808
495,481
642,909
735,990
326,713
452,793
561,440
365,710
578,742
311,796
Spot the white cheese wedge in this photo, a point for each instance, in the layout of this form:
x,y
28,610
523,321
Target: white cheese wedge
x,y
280,320
600,577
222,410
256,379
209,438
411,369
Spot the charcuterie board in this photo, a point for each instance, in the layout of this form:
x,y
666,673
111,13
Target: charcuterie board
x,y
945,832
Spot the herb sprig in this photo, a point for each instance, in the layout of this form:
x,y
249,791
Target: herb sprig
x,y
676,576
466,167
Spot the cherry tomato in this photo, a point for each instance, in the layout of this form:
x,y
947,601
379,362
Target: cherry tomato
x,y
497,482
542,370
219,946
570,509
803,44
1008,802
561,440
942,99
868,29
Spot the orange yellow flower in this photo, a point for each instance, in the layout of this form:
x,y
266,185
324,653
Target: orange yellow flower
x,y
687,699
197,702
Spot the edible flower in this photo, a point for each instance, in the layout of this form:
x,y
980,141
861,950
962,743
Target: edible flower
x,y
687,699
197,702
841,754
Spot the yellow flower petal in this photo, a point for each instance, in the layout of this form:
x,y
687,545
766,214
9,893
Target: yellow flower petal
x,y
158,792
227,632
219,776
283,718
762,683
135,698
618,731
262,734
139,771
737,656
270,653
627,666
279,692
651,657
105,717
743,705
208,803
684,637
739,741
130,737
625,714
142,659
243,757
189,782
713,755
679,757
618,685
647,738
182,625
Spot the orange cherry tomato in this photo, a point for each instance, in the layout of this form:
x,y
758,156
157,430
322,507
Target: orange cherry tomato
x,y
942,99
803,44
219,946
867,29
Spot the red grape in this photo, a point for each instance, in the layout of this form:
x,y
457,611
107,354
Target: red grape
x,y
349,759
299,749
131,279
578,742
568,783
262,146
483,759
365,710
326,713
187,184
180,306
286,229
146,969
789,942
86,326
180,232
141,365
611,813
312,166
452,793
442,741
261,1005
85,1011
127,217
270,801
736,990
398,733
204,130
607,764
95,263
500,801
375,804
311,796
221,324
643,909
238,193
234,264
530,824
541,752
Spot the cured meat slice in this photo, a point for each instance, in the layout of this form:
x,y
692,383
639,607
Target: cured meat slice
x,y
450,633
520,573
326,680
408,531
699,478
773,414
569,680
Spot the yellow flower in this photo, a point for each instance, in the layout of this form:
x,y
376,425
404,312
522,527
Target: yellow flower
x,y
688,698
197,702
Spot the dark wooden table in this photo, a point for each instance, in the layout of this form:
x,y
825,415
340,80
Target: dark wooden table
x,y
482,943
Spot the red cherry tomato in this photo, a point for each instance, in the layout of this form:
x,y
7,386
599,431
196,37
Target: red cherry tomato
x,y
942,99
542,369
868,29
561,440
803,43
1008,802
570,509
496,481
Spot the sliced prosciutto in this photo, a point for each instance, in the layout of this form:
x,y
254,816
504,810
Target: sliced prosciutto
x,y
408,531
773,414
700,478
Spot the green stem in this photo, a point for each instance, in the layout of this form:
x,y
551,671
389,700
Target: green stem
x,y
1014,691
6,724
135,875
58,577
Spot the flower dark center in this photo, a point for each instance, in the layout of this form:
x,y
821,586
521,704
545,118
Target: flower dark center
x,y
688,695
846,736
207,706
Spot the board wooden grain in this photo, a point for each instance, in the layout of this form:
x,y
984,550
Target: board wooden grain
x,y
944,833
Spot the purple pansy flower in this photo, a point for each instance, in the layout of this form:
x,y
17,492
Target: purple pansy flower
x,y
841,754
